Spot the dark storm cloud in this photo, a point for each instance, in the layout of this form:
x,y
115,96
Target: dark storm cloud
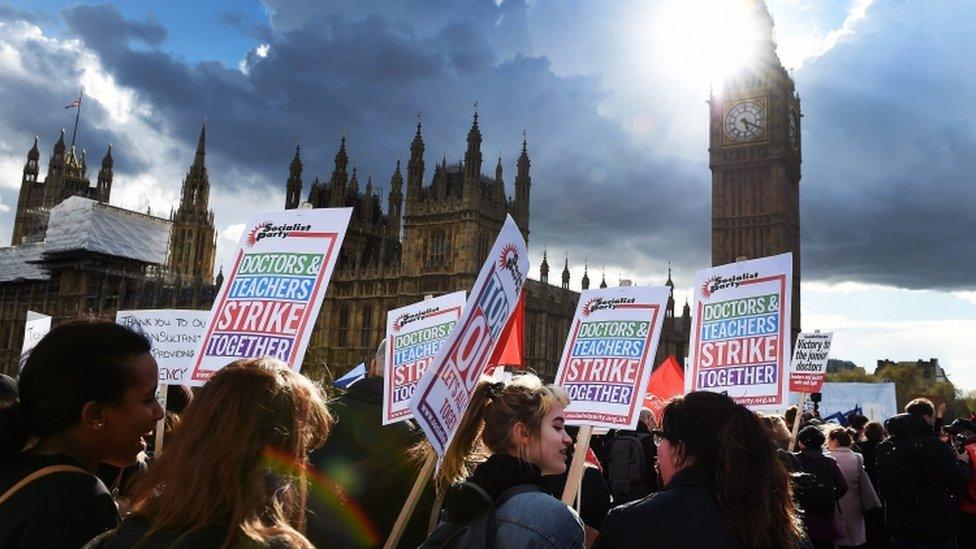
x,y
367,71
888,186
888,131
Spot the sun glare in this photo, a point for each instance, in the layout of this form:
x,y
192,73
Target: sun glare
x,y
700,42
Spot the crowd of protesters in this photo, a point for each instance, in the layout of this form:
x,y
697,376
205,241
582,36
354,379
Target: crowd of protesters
x,y
258,458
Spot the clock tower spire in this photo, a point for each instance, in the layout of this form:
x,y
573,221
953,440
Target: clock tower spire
x,y
754,156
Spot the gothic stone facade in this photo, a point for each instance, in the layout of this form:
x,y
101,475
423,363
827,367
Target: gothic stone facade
x,y
81,283
432,240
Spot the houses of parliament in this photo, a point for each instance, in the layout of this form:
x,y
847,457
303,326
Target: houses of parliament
x,y
74,256
434,234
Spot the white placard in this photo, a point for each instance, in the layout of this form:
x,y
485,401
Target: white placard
x,y
414,334
609,354
271,298
740,331
443,393
175,335
36,327
808,368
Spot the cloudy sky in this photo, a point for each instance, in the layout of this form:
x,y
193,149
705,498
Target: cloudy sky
x,y
611,95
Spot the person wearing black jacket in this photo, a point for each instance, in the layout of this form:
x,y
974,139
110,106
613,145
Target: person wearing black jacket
x,y
723,485
921,479
371,462
821,527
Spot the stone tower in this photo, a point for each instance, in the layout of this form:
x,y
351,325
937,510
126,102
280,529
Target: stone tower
x,y
754,155
193,243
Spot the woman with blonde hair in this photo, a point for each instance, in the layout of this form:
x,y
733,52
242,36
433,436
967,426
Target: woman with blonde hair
x,y
234,474
512,434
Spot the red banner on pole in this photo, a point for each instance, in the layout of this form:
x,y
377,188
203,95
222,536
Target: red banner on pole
x,y
510,350
666,381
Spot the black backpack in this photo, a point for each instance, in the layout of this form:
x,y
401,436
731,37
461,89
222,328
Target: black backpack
x,y
814,488
627,473
468,517
901,470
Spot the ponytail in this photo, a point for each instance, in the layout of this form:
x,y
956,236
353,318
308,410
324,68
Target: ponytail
x,y
487,425
14,430
466,448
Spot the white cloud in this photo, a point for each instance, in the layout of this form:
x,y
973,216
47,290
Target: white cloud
x,y
232,233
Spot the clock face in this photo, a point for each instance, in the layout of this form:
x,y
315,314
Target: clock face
x,y
746,121
794,129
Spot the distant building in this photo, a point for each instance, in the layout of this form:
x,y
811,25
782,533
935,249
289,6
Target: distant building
x,y
433,239
931,371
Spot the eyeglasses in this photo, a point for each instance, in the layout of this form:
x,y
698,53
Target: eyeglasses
x,y
660,436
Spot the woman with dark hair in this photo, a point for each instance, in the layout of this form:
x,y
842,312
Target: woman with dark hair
x,y
723,485
235,472
87,396
850,510
819,518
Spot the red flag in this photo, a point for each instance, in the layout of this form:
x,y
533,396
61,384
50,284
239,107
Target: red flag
x,y
668,380
592,460
510,349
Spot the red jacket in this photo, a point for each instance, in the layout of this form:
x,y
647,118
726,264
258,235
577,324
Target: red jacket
x,y
967,503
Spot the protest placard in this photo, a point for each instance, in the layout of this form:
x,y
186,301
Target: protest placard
x,y
175,335
35,327
271,298
444,390
609,354
809,365
414,334
740,331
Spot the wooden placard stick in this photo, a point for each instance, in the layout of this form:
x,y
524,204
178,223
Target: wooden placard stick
x,y
575,475
426,471
796,420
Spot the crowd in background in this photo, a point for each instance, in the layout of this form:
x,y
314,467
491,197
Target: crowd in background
x,y
257,457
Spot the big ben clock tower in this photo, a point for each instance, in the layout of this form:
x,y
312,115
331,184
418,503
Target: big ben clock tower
x,y
754,155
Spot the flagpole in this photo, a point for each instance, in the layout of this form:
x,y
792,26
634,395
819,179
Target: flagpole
x,y
77,116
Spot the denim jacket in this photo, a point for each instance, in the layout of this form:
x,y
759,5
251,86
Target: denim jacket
x,y
532,519
537,520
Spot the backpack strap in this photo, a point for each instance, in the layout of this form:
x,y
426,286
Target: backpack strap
x,y
514,491
43,472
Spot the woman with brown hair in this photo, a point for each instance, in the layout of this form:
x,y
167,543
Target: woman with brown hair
x,y
234,473
723,485
513,433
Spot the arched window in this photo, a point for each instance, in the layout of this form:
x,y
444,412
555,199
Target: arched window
x,y
438,247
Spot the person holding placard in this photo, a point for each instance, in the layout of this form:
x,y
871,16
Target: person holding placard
x,y
520,426
723,485
235,473
87,396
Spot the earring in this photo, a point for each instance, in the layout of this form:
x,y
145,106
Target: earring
x,y
99,425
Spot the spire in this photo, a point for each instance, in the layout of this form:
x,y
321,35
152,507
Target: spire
x,y
523,186
603,280
339,176
669,310
59,146
293,187
566,273
764,22
687,310
369,186
544,268
586,277
105,176
34,153
472,158
498,168
201,145
395,202
669,282
354,183
107,160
